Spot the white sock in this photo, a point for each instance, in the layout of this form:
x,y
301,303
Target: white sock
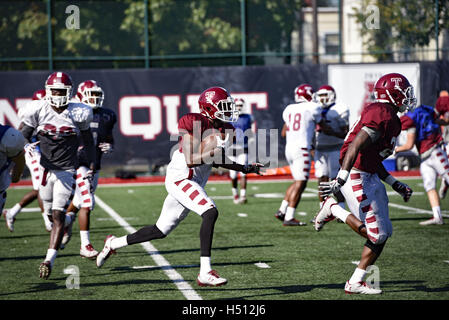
x,y
235,191
340,213
436,213
283,206
357,276
205,266
243,193
51,256
342,205
84,236
289,214
118,243
14,210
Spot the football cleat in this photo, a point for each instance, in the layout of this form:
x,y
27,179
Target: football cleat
x,y
236,199
88,252
48,223
212,279
360,287
45,269
279,215
324,215
67,234
293,223
106,252
9,221
431,221
242,200
443,189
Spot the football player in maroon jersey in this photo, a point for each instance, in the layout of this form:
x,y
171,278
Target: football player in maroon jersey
x,y
187,174
371,140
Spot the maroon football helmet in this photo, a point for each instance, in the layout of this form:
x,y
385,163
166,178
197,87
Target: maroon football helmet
x,y
395,89
216,103
325,96
90,93
39,94
62,82
303,93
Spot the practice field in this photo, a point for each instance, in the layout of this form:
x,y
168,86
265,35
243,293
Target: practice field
x,y
261,259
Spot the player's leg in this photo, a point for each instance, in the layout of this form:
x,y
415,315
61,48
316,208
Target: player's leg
x,y
430,168
334,166
242,159
234,184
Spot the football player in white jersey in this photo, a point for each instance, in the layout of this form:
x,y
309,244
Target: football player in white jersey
x,y
12,159
59,124
299,130
329,139
32,160
203,135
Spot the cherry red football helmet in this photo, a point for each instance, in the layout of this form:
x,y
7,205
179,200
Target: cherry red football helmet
x,y
62,82
325,96
39,94
303,93
90,93
216,103
395,89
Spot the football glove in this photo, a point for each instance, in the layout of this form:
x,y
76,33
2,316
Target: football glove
x,y
106,147
90,178
31,147
220,142
252,168
327,188
404,190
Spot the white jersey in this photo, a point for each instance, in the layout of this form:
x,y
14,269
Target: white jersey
x,y
58,132
337,116
11,144
301,120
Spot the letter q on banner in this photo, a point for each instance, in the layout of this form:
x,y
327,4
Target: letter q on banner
x,y
150,128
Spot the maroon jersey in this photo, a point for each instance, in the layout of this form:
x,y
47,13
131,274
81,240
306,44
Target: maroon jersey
x,y
428,141
442,106
382,118
196,124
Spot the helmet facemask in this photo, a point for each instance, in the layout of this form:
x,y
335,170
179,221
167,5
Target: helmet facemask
x,y
408,102
93,97
58,100
226,110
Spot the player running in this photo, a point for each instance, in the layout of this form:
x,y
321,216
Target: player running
x,y
83,202
32,160
12,159
238,152
300,120
371,140
423,130
59,125
329,142
201,147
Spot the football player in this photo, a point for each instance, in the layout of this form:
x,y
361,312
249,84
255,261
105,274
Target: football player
x,y
423,130
91,94
300,120
329,141
370,140
239,150
59,124
32,160
12,159
442,111
203,136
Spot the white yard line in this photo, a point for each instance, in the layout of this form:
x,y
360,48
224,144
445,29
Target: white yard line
x,y
177,279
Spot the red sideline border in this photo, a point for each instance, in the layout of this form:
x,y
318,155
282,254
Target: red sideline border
x,y
155,179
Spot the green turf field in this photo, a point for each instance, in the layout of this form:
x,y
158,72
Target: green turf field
x,y
261,259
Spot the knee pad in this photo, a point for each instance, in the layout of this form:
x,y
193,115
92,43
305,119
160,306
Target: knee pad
x,y
375,247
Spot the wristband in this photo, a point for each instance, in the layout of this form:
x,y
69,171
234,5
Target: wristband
x,y
343,175
390,180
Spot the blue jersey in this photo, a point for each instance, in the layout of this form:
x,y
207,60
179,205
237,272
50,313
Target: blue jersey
x,y
242,124
424,119
101,126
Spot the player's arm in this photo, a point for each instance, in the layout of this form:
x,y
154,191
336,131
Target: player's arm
x,y
89,146
404,190
408,145
27,132
442,121
227,163
284,131
19,165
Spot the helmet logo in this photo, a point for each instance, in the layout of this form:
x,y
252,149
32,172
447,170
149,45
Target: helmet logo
x,y
209,95
396,81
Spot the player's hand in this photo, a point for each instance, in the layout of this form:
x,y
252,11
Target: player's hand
x,y
221,143
90,178
404,190
252,168
31,147
328,188
106,147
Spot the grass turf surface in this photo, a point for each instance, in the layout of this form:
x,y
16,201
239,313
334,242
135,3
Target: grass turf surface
x,y
303,264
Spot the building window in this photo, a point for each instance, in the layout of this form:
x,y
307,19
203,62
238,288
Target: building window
x,y
331,43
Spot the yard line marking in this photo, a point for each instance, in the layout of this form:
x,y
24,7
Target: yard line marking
x,y
143,267
262,265
177,279
447,261
242,214
112,219
301,213
355,262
